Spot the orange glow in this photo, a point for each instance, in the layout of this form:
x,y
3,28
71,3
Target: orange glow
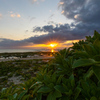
x,y
53,45
52,50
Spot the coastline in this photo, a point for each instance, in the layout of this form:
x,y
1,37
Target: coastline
x,y
26,56
39,57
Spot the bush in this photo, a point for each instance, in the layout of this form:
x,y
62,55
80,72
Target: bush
x,y
74,74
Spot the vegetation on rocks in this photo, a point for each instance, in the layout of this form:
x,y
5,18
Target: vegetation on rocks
x,y
74,74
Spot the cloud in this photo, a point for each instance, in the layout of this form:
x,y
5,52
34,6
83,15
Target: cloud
x,y
12,15
60,33
34,1
15,15
18,15
62,12
0,15
65,32
86,18
7,43
86,11
61,3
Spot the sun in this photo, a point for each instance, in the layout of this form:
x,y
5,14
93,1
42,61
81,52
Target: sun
x,y
53,45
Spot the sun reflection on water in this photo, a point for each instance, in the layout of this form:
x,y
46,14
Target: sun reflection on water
x,y
52,50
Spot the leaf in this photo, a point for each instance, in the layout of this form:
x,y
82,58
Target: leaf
x,y
60,88
36,83
82,54
51,85
89,74
64,98
93,98
3,89
77,92
22,94
36,89
44,89
97,45
72,80
66,87
90,49
97,57
59,79
85,88
53,95
26,97
10,97
96,35
96,70
53,78
15,95
47,79
83,63
69,93
39,96
85,85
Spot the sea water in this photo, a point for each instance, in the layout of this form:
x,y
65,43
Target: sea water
x,y
25,50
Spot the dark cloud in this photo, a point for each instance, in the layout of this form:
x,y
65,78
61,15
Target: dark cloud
x,y
86,18
86,11
7,43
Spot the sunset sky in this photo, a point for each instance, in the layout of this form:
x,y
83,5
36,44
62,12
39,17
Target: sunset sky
x,y
39,23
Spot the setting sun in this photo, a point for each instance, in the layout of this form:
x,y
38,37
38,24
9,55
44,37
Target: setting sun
x,y
53,45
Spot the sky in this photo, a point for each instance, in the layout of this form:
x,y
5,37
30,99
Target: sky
x,y
38,23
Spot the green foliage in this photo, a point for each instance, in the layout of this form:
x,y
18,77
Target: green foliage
x,y
74,74
83,63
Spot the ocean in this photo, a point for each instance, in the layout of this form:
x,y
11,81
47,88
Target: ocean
x,y
26,50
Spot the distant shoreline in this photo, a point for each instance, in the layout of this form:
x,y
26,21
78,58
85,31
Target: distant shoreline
x,y
25,56
4,60
26,50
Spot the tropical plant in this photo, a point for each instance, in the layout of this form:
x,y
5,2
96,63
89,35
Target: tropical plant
x,y
74,74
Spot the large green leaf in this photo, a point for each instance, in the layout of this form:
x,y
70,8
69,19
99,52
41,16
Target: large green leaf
x,y
44,89
53,95
83,63
96,70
